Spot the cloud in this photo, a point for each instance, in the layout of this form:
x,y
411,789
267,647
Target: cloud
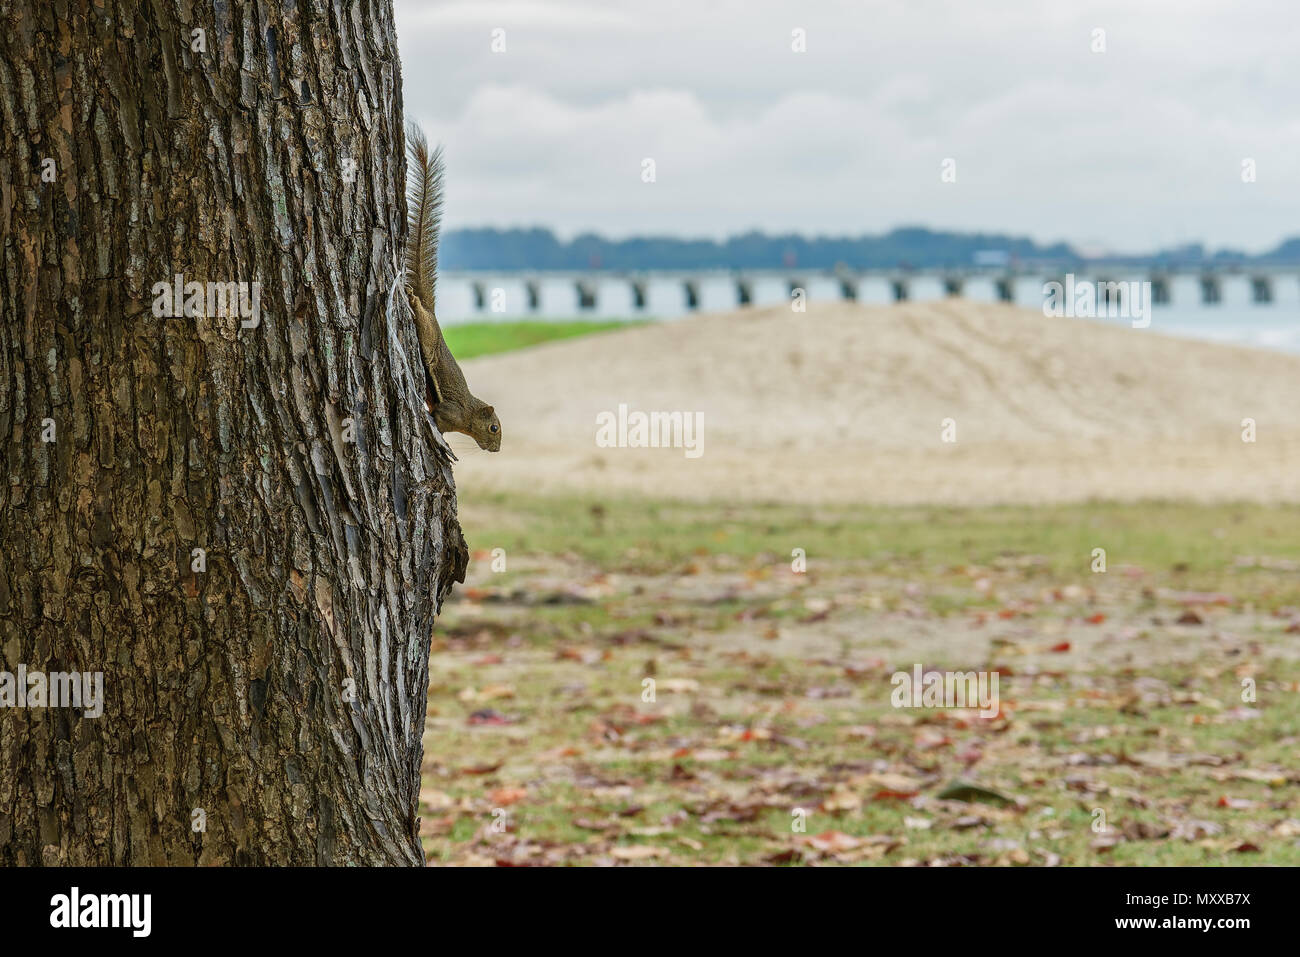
x,y
1137,146
549,15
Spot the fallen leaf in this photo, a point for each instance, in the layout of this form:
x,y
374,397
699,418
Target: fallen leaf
x,y
436,800
638,852
504,797
1274,779
889,781
831,842
435,826
482,768
970,792
1237,804
679,685
841,800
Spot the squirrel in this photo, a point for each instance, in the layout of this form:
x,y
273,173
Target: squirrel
x,y
455,408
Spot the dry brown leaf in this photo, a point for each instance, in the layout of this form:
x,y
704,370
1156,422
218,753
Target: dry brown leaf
x,y
638,852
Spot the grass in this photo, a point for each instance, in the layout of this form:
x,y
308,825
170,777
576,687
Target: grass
x,y
1197,544
471,339
1121,694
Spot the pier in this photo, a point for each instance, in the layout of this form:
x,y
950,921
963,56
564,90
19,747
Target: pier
x,y
634,293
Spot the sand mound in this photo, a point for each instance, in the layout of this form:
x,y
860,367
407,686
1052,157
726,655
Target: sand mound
x,y
848,403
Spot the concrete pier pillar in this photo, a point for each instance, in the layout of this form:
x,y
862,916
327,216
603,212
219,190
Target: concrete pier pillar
x,y
1110,297
691,290
1159,290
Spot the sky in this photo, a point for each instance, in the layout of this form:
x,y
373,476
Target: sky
x,y
1144,144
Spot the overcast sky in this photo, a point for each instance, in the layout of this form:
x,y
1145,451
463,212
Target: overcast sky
x,y
1136,147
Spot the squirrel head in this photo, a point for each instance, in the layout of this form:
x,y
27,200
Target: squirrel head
x,y
486,429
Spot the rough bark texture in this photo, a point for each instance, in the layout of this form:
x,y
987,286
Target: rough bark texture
x,y
327,554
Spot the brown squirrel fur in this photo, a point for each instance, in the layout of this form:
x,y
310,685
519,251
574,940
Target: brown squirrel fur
x,y
455,408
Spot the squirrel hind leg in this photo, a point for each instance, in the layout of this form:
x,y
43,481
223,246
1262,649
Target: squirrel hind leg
x,y
431,394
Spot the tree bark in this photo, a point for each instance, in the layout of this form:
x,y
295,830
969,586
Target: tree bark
x,y
264,698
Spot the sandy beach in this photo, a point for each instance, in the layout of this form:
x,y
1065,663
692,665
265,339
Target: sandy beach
x,y
849,403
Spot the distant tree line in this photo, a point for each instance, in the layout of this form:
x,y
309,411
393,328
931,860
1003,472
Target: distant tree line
x,y
914,247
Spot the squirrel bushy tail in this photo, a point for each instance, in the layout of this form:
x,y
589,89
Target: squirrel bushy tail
x,y
454,407
424,214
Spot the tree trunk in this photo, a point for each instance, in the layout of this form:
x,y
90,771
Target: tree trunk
x,y
246,528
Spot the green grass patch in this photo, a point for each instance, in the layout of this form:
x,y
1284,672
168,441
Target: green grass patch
x,y
1191,542
471,339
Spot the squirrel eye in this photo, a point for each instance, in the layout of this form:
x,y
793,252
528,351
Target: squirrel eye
x,y
494,428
